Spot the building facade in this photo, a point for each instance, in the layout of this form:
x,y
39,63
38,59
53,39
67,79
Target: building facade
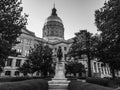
x,y
27,40
53,34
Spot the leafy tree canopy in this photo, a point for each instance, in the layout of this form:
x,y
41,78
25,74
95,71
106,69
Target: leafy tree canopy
x,y
11,23
84,44
107,20
40,58
74,68
26,68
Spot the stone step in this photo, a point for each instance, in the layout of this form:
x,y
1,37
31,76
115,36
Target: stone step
x,y
63,83
56,86
57,89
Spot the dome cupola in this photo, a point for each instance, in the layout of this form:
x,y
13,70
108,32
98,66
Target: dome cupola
x,y
53,27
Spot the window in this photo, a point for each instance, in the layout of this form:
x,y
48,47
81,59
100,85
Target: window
x,y
65,55
18,62
44,34
20,40
28,42
19,50
65,48
55,49
52,33
8,73
9,62
26,52
17,73
48,32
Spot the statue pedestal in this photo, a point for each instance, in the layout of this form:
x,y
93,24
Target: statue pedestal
x,y
59,82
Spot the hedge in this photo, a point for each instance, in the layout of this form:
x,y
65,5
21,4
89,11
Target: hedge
x,y
38,77
15,79
104,82
25,85
99,81
78,85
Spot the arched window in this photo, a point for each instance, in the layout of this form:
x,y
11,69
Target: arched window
x,y
9,61
8,73
65,48
17,73
18,62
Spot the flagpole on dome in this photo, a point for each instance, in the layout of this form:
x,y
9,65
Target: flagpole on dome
x,y
54,5
54,10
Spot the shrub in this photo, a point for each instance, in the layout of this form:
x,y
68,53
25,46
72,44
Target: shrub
x,y
77,85
99,81
82,78
25,85
13,79
108,82
71,78
113,82
38,77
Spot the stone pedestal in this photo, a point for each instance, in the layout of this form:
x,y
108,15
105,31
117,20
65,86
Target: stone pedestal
x,y
59,82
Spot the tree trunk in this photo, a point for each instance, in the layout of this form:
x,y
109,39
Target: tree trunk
x,y
80,74
113,72
89,66
45,73
74,74
25,74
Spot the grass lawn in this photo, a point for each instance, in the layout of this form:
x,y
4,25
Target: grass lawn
x,y
35,84
78,85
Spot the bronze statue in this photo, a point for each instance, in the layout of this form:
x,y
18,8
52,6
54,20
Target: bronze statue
x,y
59,53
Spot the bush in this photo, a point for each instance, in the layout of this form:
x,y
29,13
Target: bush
x,y
38,77
99,81
82,78
114,83
77,85
13,79
71,78
25,85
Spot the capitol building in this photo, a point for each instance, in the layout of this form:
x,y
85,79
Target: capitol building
x,y
53,34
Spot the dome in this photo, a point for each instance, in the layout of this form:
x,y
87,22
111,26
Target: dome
x,y
53,18
53,28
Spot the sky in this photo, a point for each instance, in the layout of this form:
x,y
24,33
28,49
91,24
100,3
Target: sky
x,y
76,14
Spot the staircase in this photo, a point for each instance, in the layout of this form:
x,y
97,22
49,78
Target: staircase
x,y
58,84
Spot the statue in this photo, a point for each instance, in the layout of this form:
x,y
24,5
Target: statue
x,y
59,54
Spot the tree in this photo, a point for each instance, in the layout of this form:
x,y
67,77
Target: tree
x,y
107,20
75,67
40,58
26,68
11,23
83,44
